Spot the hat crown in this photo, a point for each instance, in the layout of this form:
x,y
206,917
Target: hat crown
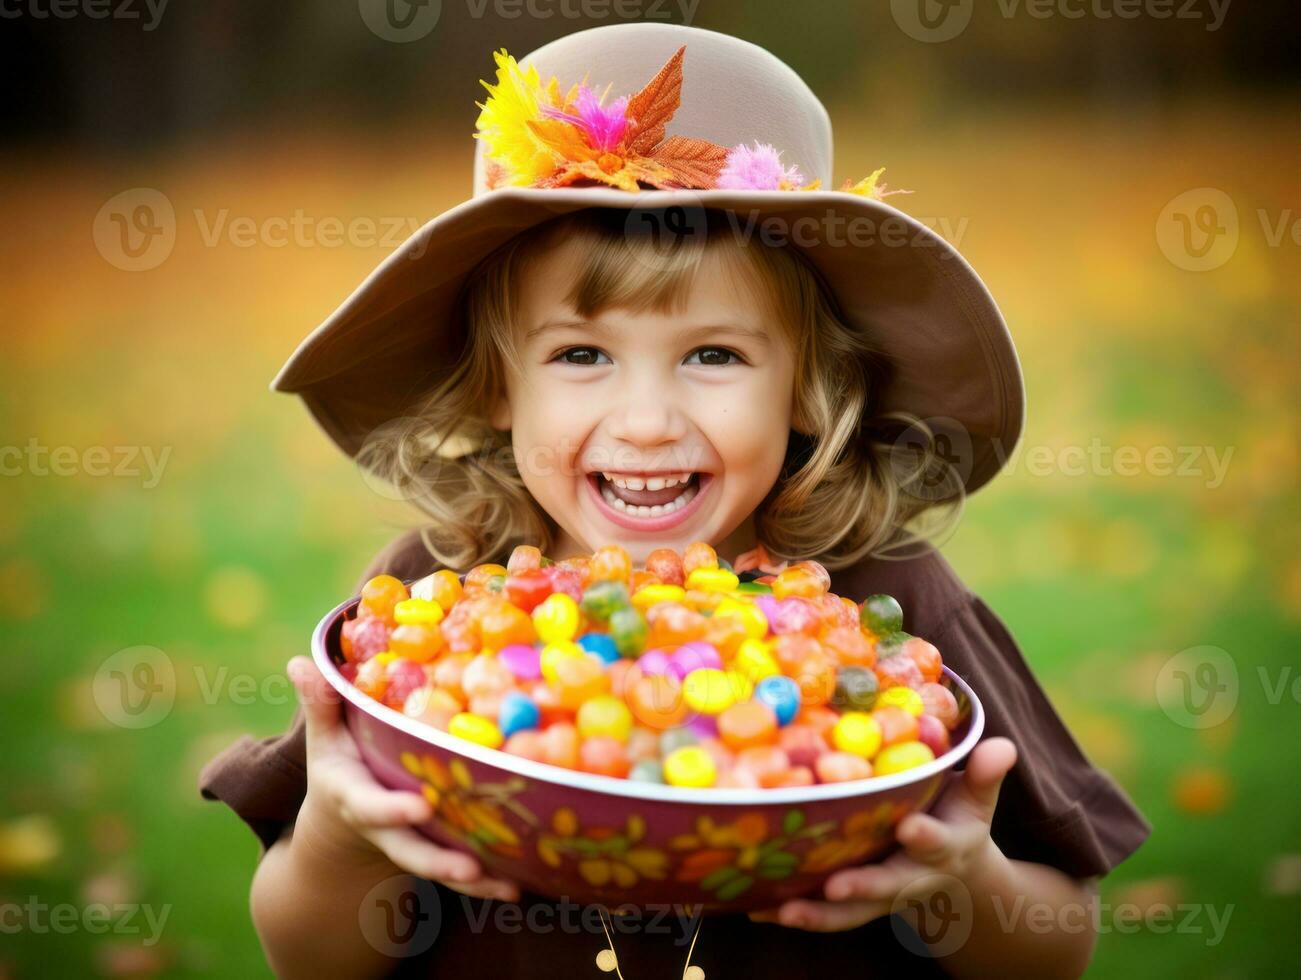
x,y
732,91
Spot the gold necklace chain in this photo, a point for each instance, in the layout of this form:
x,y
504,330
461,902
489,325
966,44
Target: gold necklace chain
x,y
607,960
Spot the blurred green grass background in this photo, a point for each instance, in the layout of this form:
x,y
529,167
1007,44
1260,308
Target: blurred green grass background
x,y
258,526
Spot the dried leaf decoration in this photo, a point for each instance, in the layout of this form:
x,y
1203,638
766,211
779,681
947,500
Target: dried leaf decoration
x,y
535,136
693,162
652,107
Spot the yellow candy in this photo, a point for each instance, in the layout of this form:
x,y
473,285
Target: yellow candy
x,y
423,612
690,765
742,686
648,595
604,715
857,732
556,618
475,728
385,658
554,652
709,690
712,580
750,615
901,756
754,660
901,697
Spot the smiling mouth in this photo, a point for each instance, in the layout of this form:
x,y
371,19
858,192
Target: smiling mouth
x,y
645,497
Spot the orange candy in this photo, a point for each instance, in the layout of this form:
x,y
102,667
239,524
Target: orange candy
x,y
897,725
699,554
505,623
850,645
560,745
671,624
747,724
611,562
476,579
816,677
926,656
666,564
416,642
841,767
580,678
528,744
525,558
656,700
447,673
792,649
604,756
796,581
381,594
768,763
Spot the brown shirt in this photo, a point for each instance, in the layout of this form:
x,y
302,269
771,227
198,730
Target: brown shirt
x,y
1055,808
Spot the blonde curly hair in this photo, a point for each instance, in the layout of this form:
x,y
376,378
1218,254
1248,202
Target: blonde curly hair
x,y
854,483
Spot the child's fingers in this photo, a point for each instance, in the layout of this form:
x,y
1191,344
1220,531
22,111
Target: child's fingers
x,y
371,805
319,701
829,916
926,839
871,882
419,856
989,764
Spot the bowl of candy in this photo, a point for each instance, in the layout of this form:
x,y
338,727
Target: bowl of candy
x,y
672,734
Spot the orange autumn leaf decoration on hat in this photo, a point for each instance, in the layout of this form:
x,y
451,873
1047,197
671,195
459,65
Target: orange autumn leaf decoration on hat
x,y
535,137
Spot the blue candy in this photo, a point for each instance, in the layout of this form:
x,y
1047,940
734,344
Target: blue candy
x,y
517,713
780,693
601,644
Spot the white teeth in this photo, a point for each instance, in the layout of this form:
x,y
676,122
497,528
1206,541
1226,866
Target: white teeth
x,y
648,483
659,510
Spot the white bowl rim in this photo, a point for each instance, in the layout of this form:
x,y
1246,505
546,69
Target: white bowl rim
x,y
631,788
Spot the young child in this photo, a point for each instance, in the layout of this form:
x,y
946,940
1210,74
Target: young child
x,y
651,326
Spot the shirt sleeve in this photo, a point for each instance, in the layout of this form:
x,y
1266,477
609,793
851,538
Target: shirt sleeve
x,y
264,780
1055,807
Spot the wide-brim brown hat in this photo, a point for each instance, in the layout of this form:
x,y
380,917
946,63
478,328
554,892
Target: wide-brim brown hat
x,y
952,360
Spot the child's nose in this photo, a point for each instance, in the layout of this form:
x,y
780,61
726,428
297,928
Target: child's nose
x,y
647,415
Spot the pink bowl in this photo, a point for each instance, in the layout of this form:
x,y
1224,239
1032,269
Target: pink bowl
x,y
595,839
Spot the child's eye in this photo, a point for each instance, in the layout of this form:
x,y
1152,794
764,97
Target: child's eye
x,y
715,356
579,355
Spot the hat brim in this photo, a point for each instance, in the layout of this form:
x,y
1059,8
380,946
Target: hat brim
x,y
952,358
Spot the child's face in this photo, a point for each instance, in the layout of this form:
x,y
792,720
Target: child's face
x,y
704,392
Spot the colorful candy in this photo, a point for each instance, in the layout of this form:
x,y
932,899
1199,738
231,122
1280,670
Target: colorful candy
x,y
676,673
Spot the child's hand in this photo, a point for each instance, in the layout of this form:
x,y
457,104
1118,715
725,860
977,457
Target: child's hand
x,y
951,840
354,817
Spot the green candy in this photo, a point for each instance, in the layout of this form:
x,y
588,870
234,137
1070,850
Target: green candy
x,y
891,644
754,588
881,614
602,599
496,583
628,630
647,771
856,689
676,738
